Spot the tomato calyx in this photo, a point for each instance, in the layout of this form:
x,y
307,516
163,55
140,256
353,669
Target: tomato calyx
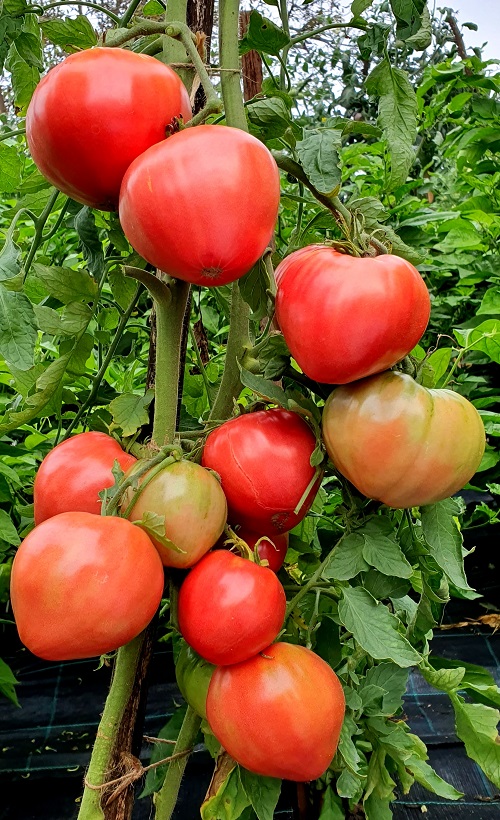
x,y
113,497
238,545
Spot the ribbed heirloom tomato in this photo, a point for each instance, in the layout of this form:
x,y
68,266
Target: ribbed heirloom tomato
x,y
280,713
202,205
83,585
94,113
344,318
194,507
230,608
73,474
263,460
399,442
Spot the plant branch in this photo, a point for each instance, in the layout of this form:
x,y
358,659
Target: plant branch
x,y
307,35
39,226
312,580
166,798
90,5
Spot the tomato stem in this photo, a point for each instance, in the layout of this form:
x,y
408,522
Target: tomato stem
x,y
114,709
166,798
312,580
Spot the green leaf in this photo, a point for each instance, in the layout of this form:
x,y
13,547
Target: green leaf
x,y
154,525
262,792
24,79
28,47
479,683
485,337
130,411
408,14
18,329
269,118
263,35
436,366
446,679
397,117
422,39
71,34
153,9
332,805
476,725
91,244
347,747
359,6
254,288
381,549
75,318
8,531
123,288
444,540
10,263
427,777
347,560
7,683
370,208
319,155
67,285
11,166
264,387
229,802
375,628
490,302
348,785
393,681
47,384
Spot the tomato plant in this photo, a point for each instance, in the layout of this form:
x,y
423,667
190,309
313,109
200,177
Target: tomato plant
x,y
399,442
193,506
83,585
344,317
83,132
263,460
231,223
73,474
270,548
193,675
280,713
230,608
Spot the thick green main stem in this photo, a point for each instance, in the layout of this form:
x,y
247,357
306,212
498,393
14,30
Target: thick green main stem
x,y
238,337
169,316
114,709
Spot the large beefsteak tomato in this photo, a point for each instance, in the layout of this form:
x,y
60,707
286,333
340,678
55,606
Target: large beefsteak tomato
x,y
94,113
73,474
230,608
202,205
263,460
344,318
83,585
399,442
194,507
280,713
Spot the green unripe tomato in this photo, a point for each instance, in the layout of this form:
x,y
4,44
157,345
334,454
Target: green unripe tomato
x,y
193,677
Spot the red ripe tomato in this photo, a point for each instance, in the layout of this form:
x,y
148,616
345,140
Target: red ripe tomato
x,y
344,318
263,460
280,713
94,113
83,585
73,474
272,549
230,608
202,205
399,442
194,506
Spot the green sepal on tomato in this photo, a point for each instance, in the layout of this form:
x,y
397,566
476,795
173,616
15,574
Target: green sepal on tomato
x,y
343,317
83,585
207,233
73,474
279,714
401,443
94,113
193,506
193,675
269,548
263,460
230,608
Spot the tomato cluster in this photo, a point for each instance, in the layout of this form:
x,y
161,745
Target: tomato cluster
x,y
347,321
